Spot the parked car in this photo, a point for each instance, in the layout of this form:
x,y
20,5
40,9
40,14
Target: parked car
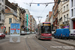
x,y
2,35
33,32
28,32
23,33
53,33
61,33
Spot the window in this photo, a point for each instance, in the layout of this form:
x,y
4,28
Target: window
x,y
10,20
64,8
0,3
67,16
2,0
64,18
72,12
67,6
0,16
72,3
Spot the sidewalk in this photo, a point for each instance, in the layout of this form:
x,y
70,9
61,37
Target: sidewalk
x,y
65,41
14,46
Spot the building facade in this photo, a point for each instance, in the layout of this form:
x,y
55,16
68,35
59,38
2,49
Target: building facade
x,y
27,17
10,15
65,13
55,14
60,18
50,16
72,15
2,8
22,19
30,22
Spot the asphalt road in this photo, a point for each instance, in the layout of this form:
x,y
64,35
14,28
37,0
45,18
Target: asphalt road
x,y
4,40
30,42
35,44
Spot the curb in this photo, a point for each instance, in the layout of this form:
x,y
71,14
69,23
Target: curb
x,y
65,43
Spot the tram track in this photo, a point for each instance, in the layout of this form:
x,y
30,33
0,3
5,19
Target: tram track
x,y
27,44
54,44
31,47
40,45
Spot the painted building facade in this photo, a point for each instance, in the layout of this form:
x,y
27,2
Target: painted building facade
x,y
27,19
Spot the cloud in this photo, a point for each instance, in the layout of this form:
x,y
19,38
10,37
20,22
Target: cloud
x,y
34,9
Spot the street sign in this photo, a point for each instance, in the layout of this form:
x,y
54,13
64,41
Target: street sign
x,y
15,32
38,4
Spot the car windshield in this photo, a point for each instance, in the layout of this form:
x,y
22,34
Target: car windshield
x,y
45,29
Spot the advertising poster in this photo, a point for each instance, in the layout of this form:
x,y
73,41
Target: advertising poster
x,y
15,29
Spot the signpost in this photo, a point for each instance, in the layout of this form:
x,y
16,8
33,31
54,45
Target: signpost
x,y
15,32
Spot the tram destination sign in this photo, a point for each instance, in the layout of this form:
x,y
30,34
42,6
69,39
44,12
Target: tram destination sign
x,y
46,24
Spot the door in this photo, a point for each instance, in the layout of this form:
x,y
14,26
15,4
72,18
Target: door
x,y
9,30
73,24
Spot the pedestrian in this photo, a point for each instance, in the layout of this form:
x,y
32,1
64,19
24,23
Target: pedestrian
x,y
6,32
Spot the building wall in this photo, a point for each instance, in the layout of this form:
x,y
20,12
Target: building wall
x,y
55,14
2,7
6,23
18,14
65,13
22,18
31,22
72,15
60,18
63,9
27,12
10,13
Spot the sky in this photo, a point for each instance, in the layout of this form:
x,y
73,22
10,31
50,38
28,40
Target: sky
x,y
34,9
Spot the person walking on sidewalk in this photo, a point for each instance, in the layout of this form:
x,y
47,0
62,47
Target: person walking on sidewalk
x,y
6,32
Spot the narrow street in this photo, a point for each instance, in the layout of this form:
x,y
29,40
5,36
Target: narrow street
x,y
30,42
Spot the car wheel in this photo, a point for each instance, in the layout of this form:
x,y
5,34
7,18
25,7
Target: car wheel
x,y
4,37
0,37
